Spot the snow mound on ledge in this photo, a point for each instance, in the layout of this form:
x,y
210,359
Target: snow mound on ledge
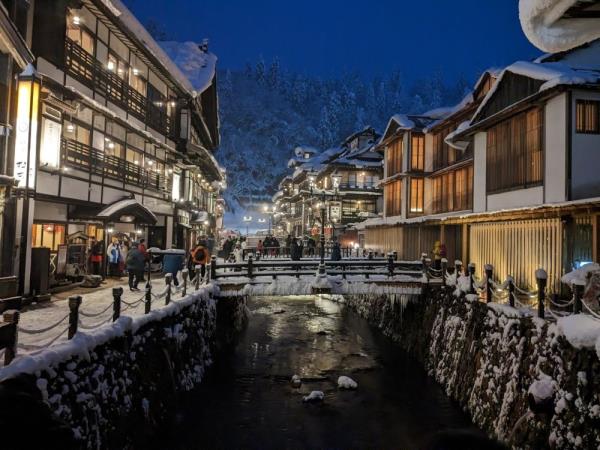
x,y
579,276
581,330
542,389
346,383
197,65
545,28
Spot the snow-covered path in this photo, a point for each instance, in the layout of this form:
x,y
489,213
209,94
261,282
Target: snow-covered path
x,y
44,324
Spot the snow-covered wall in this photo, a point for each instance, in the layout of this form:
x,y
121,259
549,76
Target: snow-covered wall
x,y
116,387
490,357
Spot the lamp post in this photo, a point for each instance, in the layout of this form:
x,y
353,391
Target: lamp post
x,y
247,220
25,165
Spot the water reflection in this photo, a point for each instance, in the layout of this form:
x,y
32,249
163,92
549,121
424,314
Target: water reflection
x,y
247,400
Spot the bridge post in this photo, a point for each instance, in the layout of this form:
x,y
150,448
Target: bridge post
x,y
370,254
458,268
511,290
395,253
184,273
444,269
198,269
213,267
424,265
344,271
74,304
489,272
390,264
117,293
471,273
148,302
11,320
250,267
541,278
168,281
577,295
297,271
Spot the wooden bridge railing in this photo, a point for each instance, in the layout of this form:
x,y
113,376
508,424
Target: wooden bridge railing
x,y
276,268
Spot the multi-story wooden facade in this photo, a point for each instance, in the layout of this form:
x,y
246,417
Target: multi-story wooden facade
x,y
509,174
349,175
124,142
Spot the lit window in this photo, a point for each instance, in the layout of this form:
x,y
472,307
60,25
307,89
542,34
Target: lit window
x,y
587,118
416,195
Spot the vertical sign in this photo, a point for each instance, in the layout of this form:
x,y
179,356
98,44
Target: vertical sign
x,y
50,144
26,133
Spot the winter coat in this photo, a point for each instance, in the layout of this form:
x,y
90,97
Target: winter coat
x,y
172,262
336,252
296,251
113,254
135,260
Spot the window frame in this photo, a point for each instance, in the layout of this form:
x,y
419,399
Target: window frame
x,y
582,123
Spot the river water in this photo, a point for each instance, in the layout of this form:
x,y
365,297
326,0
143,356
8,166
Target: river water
x,y
247,400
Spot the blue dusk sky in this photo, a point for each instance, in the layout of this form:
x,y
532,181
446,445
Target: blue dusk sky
x,y
327,37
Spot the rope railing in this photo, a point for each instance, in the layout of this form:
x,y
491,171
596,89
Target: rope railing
x,y
9,345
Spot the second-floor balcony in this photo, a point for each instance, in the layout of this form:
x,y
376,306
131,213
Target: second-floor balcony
x,y
81,156
88,70
360,186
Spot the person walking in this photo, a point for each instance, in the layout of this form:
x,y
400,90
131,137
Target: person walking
x,y
114,254
200,256
135,264
173,262
336,251
437,255
260,248
142,248
288,245
96,257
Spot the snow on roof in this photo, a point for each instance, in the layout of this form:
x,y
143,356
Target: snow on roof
x,y
121,204
128,20
196,64
553,73
545,26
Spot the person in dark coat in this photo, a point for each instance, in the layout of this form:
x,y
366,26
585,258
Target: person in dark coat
x,y
173,263
295,251
311,245
136,261
336,251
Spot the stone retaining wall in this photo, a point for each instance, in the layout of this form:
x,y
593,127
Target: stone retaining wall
x,y
488,356
119,391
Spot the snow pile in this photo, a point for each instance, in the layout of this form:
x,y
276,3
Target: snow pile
x,y
579,276
581,330
542,389
403,122
296,381
313,397
196,64
543,24
344,382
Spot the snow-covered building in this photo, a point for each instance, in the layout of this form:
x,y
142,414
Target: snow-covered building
x,y
126,138
349,177
527,144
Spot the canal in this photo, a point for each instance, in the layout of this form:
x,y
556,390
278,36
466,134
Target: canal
x,y
247,400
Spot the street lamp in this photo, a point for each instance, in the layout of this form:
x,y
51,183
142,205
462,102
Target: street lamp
x,y
247,220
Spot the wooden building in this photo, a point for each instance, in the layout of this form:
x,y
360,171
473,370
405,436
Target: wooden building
x,y
509,174
124,139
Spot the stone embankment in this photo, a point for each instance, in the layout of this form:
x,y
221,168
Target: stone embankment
x,y
116,386
527,382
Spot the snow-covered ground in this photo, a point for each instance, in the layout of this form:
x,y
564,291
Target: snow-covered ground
x,y
52,318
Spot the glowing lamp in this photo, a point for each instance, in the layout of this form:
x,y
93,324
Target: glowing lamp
x,y
28,100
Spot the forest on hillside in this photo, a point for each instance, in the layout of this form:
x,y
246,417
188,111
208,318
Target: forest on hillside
x,y
266,111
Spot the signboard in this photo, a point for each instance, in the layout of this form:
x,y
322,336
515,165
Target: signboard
x,y
61,260
183,218
26,134
50,143
175,191
335,211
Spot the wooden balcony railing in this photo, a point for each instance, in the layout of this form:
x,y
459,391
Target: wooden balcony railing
x,y
83,156
88,70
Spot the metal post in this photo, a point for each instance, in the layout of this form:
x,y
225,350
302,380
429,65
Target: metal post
x,y
149,269
424,264
198,269
10,351
74,304
577,295
184,273
213,267
390,263
541,278
395,255
370,254
489,271
250,266
471,273
117,293
168,281
511,290
444,269
148,302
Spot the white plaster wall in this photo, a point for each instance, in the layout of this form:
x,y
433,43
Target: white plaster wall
x,y
585,156
479,172
74,189
515,199
52,212
50,70
428,152
47,183
555,156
